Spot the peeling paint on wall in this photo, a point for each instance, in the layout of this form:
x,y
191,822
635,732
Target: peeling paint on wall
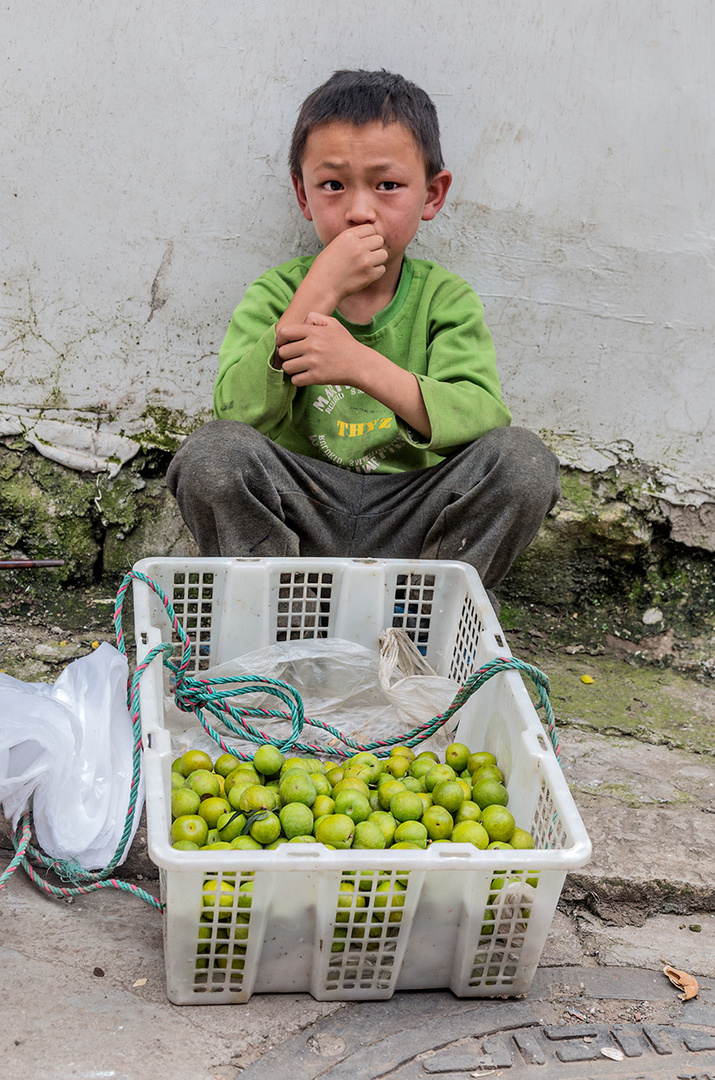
x,y
582,211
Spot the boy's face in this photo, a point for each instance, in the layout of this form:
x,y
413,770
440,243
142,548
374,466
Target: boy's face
x,y
371,174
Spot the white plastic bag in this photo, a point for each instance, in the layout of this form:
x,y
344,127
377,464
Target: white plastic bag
x,y
69,747
364,694
412,685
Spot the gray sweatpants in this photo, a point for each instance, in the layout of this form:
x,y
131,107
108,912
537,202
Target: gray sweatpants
x,y
242,494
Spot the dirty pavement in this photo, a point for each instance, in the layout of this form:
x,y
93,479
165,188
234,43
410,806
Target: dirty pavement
x,y
83,981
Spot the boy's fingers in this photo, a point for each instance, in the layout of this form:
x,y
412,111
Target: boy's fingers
x,y
292,332
314,318
364,230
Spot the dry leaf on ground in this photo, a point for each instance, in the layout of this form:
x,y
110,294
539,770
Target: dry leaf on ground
x,y
683,981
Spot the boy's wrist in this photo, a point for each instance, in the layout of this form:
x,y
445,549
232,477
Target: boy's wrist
x,y
324,289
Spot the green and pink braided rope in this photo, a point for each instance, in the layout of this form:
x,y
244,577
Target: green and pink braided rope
x,y
213,696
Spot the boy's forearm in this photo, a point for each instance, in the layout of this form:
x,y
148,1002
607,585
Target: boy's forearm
x,y
313,294
396,388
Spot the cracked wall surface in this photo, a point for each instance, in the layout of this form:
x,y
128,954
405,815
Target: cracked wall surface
x,y
143,195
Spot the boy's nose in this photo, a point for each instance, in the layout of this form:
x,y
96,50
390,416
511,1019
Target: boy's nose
x,y
360,210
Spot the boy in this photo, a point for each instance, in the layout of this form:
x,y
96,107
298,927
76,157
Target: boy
x,y
358,405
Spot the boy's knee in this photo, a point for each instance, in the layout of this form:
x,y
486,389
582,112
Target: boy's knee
x,y
210,454
529,469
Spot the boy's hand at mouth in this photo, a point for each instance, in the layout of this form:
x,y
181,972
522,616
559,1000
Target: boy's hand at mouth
x,y
353,260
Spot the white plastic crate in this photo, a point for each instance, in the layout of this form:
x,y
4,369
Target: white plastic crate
x,y
449,927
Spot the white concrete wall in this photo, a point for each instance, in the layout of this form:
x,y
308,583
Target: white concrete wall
x,y
143,153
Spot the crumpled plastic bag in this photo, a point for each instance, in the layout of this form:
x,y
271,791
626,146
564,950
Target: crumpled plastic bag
x,y
364,694
68,747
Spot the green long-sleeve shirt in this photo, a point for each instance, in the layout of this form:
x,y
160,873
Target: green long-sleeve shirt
x,y
433,326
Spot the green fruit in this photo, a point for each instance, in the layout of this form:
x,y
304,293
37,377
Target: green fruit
x,y
297,787
427,799
438,822
195,759
350,783
368,834
403,751
421,766
235,790
320,780
397,765
348,898
439,774
488,792
470,832
186,845
239,777
406,806
246,843
387,791
411,783
296,763
386,822
389,901
231,825
177,779
296,819
449,794
352,803
268,759
204,938
468,811
190,827
413,831
212,809
369,765
184,801
488,772
457,755
336,829
499,822
522,839
203,782
482,757
307,839
218,895
257,797
266,828
225,764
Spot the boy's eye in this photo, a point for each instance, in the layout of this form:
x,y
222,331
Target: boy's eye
x,y
388,185
332,185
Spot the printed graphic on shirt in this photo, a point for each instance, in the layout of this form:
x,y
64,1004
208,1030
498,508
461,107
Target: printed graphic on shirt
x,y
359,436
352,431
330,397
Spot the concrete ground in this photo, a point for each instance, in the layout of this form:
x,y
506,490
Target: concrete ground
x,y
83,982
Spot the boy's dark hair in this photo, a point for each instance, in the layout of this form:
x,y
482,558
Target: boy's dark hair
x,y
360,97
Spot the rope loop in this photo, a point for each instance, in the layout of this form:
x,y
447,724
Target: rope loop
x,y
217,698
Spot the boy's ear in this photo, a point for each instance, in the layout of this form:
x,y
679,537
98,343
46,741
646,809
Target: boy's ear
x,y
436,194
299,189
